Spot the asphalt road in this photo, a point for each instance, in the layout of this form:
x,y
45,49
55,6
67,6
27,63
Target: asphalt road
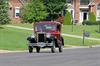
x,y
70,57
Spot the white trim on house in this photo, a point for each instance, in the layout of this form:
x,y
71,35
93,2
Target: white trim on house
x,y
71,10
84,7
82,15
16,12
98,13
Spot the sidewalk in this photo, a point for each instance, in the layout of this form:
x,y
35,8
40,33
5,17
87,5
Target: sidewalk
x,y
9,51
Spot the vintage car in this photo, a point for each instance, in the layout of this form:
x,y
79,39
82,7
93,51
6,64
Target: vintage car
x,y
46,35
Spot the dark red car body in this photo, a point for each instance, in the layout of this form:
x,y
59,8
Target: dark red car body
x,y
55,32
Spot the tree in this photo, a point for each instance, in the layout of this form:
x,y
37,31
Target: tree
x,y
4,18
67,18
92,17
54,7
34,11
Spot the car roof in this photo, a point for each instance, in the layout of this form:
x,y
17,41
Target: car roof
x,y
48,22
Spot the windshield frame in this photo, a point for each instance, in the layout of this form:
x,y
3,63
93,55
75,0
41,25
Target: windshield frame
x,y
43,27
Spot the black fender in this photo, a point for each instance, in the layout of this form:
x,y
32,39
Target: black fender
x,y
31,40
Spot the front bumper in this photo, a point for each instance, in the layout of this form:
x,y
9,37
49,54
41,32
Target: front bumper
x,y
40,44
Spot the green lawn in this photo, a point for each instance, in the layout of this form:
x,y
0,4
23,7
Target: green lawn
x,y
79,42
24,25
78,30
15,39
12,39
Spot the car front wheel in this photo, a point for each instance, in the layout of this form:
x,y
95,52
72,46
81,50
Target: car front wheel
x,y
30,48
53,47
37,49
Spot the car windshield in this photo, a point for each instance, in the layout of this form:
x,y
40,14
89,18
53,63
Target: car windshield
x,y
45,27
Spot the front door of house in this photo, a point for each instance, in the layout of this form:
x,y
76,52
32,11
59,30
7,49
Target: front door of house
x,y
83,16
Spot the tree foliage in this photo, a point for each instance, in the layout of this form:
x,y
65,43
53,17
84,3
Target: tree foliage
x,y
54,6
4,18
91,19
67,18
34,11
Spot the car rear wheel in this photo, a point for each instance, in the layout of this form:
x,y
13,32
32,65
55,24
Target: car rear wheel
x,y
30,48
37,49
60,48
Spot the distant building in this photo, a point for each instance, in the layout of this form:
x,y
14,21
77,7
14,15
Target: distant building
x,y
80,9
14,9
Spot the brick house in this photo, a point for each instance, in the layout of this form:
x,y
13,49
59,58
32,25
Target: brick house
x,y
14,9
80,9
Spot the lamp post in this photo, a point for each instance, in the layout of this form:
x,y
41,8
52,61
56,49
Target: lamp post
x,y
72,23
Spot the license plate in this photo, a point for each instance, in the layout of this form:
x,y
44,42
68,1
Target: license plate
x,y
41,44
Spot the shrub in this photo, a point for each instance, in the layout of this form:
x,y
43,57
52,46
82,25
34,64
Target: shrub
x,y
67,18
92,17
90,23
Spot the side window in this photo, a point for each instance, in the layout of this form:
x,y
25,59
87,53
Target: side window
x,y
59,27
84,2
17,12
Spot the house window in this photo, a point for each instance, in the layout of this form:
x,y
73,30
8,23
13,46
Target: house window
x,y
69,1
17,12
84,2
98,12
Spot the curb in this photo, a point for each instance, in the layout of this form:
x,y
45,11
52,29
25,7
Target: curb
x,y
67,47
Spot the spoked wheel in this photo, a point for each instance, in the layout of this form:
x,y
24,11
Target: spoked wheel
x,y
53,49
61,44
30,48
37,49
60,48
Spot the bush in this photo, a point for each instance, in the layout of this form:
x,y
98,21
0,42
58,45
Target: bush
x,y
92,17
67,18
91,20
90,23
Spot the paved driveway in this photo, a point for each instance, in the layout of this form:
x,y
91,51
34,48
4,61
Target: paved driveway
x,y
70,57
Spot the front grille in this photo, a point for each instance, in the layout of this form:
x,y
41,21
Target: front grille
x,y
41,37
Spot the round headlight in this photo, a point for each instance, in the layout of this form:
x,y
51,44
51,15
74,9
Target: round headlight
x,y
48,35
32,36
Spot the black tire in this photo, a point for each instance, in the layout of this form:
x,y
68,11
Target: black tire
x,y
30,48
60,48
53,47
61,44
37,49
62,41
